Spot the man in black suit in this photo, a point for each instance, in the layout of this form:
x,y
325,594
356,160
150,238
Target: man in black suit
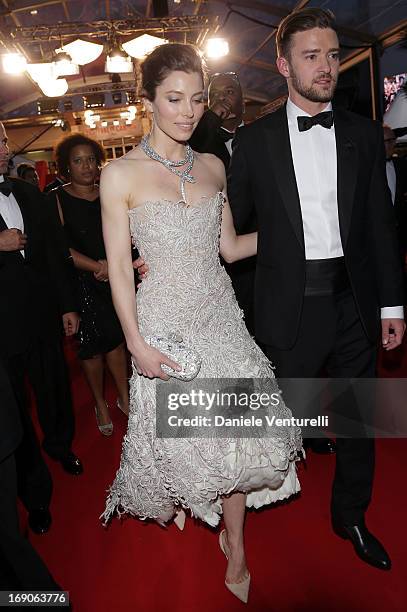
x,y
217,126
20,566
35,277
214,134
327,260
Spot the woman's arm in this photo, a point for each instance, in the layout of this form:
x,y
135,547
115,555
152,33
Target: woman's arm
x,y
83,262
116,233
232,247
80,261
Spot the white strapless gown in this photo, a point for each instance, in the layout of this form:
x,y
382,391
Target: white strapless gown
x,y
188,291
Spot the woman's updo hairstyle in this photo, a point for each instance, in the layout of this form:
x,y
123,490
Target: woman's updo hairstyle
x,y
168,58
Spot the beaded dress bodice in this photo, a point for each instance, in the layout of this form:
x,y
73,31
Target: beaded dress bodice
x,y
181,246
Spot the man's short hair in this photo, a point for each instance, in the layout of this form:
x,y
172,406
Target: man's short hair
x,y
22,170
300,21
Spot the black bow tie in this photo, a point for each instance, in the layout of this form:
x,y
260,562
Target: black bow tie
x,y
326,119
5,187
225,135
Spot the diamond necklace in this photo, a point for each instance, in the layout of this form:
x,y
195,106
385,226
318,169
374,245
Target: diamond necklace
x,y
173,166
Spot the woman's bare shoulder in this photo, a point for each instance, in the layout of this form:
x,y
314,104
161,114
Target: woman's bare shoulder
x,y
136,154
212,163
133,162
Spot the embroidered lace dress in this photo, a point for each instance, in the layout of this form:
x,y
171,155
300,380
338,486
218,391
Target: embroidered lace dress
x,y
188,292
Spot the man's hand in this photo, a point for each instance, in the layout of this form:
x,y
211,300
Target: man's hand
x,y
70,322
392,333
12,240
222,108
142,268
103,273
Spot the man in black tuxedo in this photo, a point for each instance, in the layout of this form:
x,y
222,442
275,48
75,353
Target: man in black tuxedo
x,y
36,279
20,566
327,260
214,134
217,126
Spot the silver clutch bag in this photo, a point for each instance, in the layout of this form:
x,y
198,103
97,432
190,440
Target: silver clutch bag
x,y
173,347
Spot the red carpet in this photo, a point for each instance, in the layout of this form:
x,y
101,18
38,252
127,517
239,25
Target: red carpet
x,y
297,564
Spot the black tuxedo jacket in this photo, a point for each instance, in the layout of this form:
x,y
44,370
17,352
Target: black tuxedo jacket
x,y
38,288
11,431
400,201
206,137
262,181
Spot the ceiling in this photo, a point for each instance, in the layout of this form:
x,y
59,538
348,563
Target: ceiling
x,y
37,28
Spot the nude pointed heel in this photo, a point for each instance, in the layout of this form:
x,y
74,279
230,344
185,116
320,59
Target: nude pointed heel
x,y
238,589
179,519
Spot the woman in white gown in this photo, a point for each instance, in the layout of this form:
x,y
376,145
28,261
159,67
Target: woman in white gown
x,y
171,202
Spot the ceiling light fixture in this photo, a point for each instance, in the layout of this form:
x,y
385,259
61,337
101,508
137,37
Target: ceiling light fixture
x,y
54,88
14,63
64,66
118,61
90,117
81,51
131,112
216,48
142,45
42,71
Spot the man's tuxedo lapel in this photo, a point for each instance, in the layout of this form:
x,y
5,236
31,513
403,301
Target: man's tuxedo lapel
x,y
347,170
20,199
222,152
3,225
278,141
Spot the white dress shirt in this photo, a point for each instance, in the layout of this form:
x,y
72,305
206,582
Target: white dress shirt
x,y
232,135
391,178
10,211
315,165
314,158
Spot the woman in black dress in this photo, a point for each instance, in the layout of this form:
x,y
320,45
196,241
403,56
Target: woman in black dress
x,y
100,334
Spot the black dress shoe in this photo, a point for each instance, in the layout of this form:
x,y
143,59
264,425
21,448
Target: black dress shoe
x,y
39,520
367,547
72,464
321,446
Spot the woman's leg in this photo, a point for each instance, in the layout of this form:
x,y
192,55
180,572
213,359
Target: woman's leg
x,y
234,514
94,372
117,363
